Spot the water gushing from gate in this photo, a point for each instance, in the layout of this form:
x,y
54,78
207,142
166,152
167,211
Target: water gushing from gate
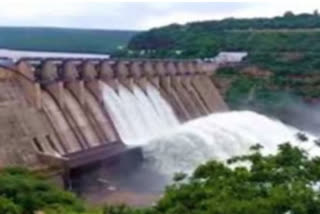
x,y
146,119
138,116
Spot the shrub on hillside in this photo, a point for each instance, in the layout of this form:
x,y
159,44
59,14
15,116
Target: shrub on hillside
x,y
8,207
20,190
287,182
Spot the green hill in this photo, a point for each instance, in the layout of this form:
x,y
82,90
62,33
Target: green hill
x,y
63,39
282,69
204,39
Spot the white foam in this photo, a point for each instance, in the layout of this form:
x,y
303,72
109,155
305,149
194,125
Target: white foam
x,y
138,116
220,137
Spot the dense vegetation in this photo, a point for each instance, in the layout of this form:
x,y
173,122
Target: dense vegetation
x,y
286,182
22,192
192,42
63,40
275,92
290,33
281,183
287,46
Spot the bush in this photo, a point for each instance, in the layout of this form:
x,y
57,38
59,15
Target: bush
x,y
281,183
8,207
30,193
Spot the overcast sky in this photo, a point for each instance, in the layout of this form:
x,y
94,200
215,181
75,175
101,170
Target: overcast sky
x,y
104,14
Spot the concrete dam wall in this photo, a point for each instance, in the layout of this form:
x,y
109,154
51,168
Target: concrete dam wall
x,y
60,112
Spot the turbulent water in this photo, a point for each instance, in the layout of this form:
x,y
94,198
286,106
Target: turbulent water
x,y
220,137
138,116
163,109
146,119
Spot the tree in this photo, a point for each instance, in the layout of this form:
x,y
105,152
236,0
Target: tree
x,y
8,207
288,14
21,190
282,183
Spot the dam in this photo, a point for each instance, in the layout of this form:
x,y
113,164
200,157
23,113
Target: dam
x,y
60,113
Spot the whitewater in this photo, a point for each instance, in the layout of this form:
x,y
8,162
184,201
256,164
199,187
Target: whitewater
x,y
220,136
138,115
145,119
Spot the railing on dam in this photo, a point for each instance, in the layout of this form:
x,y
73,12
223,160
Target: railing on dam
x,y
83,110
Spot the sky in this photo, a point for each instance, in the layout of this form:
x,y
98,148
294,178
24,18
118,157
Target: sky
x,y
130,15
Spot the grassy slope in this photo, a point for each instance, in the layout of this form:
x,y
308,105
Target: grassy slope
x,y
63,39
